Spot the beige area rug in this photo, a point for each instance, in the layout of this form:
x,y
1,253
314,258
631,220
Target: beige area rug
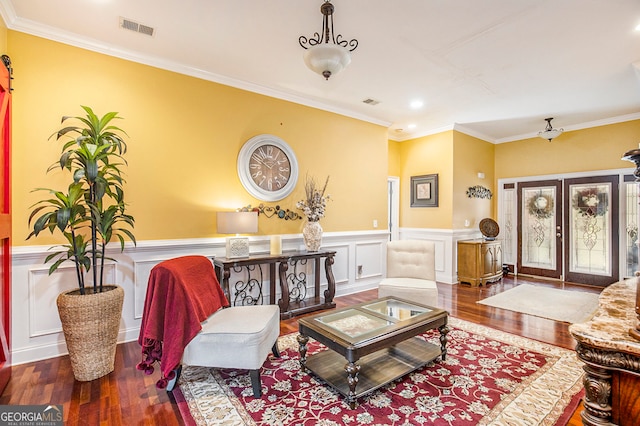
x,y
552,303
489,378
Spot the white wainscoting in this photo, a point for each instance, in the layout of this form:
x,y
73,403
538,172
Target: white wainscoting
x,y
36,329
446,241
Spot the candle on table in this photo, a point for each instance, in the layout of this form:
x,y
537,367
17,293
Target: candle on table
x,y
276,244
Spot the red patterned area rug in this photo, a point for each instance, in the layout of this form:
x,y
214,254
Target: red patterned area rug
x,y
489,378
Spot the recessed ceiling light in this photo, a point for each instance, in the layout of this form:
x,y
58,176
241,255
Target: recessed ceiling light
x,y
411,126
637,27
417,104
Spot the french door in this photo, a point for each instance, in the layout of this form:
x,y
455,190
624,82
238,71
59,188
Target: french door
x,y
540,228
591,228
568,229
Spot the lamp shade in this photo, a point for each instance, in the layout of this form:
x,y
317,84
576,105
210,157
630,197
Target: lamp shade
x,y
550,134
237,222
327,59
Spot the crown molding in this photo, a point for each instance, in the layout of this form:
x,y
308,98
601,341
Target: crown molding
x,y
474,133
13,22
581,126
429,132
30,27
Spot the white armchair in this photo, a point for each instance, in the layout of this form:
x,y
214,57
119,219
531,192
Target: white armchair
x,y
411,272
187,321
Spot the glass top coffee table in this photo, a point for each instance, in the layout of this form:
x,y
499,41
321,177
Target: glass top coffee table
x,y
378,339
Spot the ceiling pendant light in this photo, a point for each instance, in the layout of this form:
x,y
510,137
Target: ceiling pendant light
x,y
549,132
326,53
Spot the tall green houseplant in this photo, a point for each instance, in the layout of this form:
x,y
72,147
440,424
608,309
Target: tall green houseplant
x,y
92,211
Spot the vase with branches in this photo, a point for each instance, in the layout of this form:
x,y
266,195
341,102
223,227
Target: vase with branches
x,y
314,207
315,203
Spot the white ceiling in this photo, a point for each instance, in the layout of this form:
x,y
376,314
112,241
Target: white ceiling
x,y
493,68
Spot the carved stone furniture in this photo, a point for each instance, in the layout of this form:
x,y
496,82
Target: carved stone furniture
x,y
611,357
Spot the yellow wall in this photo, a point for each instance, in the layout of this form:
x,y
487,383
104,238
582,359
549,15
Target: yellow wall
x,y
471,156
456,158
395,166
423,156
184,138
596,148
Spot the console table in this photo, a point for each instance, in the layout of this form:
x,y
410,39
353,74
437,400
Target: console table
x,y
247,292
611,357
294,300
289,271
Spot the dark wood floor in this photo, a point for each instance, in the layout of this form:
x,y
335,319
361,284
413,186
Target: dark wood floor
x,y
127,396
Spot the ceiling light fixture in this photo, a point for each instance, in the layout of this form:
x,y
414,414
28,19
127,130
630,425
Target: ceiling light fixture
x,y
326,53
549,132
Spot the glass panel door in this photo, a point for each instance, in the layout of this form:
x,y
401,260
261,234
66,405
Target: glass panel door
x,y
591,224
508,230
539,228
630,226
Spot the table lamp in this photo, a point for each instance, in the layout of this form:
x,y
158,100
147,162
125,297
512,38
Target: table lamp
x,y
237,223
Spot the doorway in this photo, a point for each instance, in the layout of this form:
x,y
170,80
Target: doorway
x,y
393,207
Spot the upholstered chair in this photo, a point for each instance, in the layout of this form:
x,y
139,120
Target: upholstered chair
x,y
239,337
411,272
187,321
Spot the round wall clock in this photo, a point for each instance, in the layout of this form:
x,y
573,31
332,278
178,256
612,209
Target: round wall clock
x,y
267,167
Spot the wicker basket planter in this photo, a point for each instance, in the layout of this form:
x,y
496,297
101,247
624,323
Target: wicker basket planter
x,y
91,324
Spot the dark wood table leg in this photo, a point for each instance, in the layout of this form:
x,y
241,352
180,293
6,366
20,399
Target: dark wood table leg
x,y
284,287
302,341
272,283
223,274
331,282
444,330
352,370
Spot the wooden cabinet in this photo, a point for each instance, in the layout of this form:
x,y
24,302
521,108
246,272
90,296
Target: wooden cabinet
x,y
479,261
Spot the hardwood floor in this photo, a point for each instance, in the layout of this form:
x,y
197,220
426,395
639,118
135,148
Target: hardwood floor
x,y
127,396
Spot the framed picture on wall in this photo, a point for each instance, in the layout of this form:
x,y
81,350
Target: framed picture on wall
x,y
424,191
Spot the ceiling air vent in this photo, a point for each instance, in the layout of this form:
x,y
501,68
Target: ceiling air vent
x,y
370,101
130,25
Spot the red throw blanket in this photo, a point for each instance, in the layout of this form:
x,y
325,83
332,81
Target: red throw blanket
x,y
181,293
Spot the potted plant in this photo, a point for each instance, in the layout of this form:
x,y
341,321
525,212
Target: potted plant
x,y
89,214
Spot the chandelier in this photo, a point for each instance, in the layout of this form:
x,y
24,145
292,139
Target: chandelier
x,y
549,132
326,53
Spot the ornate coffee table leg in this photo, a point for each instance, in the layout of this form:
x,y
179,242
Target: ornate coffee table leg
x,y
352,370
302,341
444,329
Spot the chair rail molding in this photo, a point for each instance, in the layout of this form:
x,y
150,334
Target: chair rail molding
x,y
36,329
446,241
